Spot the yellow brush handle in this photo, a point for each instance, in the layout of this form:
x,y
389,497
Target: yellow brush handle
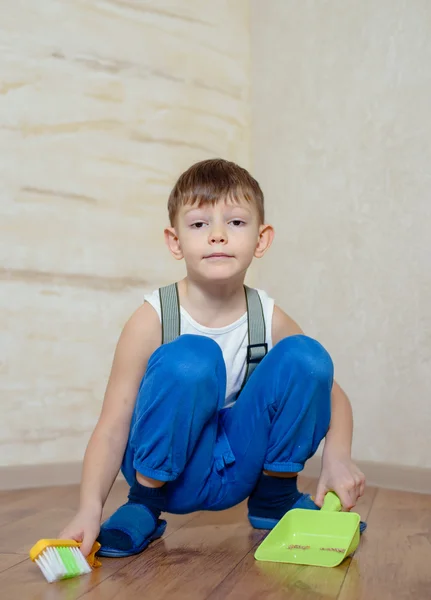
x,y
91,558
42,545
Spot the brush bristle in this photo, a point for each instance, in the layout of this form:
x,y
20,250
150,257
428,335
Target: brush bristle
x,y
62,562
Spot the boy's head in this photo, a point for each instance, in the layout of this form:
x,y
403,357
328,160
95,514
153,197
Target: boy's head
x,y
209,181
217,221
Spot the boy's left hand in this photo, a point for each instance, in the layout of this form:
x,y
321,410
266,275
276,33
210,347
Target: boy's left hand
x,y
343,477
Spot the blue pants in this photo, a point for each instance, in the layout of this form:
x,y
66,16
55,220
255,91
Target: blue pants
x,y
211,457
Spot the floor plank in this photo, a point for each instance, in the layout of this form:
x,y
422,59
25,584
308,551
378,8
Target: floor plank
x,y
9,560
24,580
394,562
23,503
210,555
190,563
20,578
275,581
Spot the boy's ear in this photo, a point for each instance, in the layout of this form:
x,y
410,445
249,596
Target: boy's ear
x,y
266,235
173,243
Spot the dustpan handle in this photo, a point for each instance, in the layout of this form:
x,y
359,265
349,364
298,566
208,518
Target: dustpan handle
x,y
332,503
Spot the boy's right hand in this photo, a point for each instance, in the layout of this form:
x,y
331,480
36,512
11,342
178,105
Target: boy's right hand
x,y
84,528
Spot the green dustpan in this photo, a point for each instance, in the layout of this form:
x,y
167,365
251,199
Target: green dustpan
x,y
312,537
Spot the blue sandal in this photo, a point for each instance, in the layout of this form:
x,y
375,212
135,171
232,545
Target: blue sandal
x,y
304,502
138,523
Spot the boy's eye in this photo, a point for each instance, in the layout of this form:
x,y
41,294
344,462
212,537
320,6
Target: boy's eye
x,y
237,222
198,224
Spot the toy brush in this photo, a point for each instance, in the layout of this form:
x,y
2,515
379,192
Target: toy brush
x,y
62,559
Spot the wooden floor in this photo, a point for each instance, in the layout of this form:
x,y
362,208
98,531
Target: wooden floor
x,y
210,555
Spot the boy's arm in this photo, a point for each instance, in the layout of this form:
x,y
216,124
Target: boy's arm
x,y
338,440
339,473
138,340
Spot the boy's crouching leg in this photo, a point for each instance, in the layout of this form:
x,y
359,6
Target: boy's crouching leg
x,y
183,387
304,374
300,410
182,390
303,377
301,355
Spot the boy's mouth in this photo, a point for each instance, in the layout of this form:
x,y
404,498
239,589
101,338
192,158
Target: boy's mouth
x,y
219,255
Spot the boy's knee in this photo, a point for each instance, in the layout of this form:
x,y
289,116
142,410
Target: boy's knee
x,y
307,355
193,357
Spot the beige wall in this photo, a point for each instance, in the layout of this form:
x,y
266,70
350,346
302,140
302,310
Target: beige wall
x,y
341,97
102,104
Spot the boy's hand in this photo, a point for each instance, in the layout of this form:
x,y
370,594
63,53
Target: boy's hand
x,y
343,477
84,528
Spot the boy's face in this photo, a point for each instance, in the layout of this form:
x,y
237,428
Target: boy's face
x,y
218,242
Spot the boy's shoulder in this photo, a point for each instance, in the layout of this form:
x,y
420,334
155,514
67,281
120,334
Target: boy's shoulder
x,y
283,326
144,322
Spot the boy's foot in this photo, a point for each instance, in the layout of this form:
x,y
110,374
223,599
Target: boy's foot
x,y
273,497
269,519
129,531
135,524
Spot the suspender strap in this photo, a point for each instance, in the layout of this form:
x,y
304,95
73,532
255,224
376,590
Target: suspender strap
x,y
170,308
257,347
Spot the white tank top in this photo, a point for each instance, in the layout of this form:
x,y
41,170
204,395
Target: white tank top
x,y
232,339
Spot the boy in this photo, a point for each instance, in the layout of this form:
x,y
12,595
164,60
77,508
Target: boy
x,y
215,394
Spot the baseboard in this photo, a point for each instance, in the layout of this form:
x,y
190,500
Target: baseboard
x,y
397,477
31,476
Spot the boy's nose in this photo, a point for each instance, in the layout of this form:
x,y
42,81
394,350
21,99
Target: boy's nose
x,y
217,237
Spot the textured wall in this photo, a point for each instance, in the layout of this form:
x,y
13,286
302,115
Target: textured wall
x,y
102,104
342,145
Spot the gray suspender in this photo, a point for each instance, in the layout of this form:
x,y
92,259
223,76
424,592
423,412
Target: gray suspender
x,y
257,347
170,307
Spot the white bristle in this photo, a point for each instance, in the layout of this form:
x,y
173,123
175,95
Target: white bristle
x,y
45,571
80,559
52,566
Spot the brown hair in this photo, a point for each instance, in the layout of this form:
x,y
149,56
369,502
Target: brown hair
x,y
208,181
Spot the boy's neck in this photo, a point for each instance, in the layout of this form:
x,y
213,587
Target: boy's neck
x,y
213,305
